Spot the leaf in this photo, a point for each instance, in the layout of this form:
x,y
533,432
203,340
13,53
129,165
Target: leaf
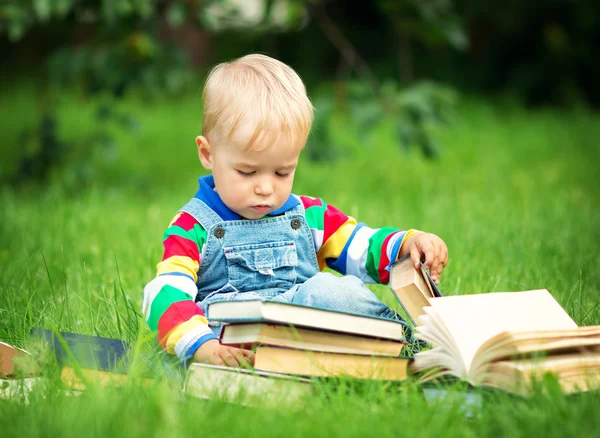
x,y
366,113
318,146
268,11
430,148
16,30
405,133
457,37
297,15
144,8
62,7
176,14
103,112
16,20
130,123
42,9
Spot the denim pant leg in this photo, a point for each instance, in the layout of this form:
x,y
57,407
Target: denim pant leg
x,y
345,294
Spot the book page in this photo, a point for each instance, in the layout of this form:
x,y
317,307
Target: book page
x,y
473,319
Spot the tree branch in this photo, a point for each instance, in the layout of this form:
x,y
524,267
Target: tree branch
x,y
347,50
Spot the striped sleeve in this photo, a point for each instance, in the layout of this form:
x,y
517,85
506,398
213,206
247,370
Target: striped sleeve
x,y
351,248
168,304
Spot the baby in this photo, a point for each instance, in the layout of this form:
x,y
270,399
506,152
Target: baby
x,y
245,236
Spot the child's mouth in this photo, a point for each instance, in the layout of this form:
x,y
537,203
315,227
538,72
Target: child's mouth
x,y
261,208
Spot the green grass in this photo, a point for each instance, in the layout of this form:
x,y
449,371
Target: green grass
x,y
516,196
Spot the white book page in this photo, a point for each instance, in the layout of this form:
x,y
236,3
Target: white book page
x,y
473,319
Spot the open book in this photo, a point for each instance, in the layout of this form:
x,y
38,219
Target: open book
x,y
413,288
503,339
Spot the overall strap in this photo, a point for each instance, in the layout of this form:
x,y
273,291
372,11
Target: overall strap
x,y
202,213
296,210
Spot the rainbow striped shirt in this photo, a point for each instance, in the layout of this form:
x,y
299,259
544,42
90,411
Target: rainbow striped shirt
x,y
341,244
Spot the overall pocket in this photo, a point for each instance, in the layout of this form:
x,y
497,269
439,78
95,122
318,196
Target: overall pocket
x,y
270,265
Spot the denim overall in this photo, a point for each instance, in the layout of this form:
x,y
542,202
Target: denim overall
x,y
272,258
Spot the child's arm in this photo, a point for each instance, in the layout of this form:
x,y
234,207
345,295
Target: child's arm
x,y
352,248
169,306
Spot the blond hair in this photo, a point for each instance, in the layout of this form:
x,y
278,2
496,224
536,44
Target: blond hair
x,y
260,90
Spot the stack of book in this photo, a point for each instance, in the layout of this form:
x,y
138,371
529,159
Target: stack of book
x,y
293,343
300,340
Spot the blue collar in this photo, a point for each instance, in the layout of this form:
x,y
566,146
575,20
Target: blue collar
x,y
206,193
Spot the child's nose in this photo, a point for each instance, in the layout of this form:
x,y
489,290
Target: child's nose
x,y
264,187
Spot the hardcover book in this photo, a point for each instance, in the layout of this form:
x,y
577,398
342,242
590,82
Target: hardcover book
x,y
88,359
257,311
247,387
412,288
249,335
324,364
79,379
93,352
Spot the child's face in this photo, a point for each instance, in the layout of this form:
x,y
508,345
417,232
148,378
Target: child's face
x,y
250,183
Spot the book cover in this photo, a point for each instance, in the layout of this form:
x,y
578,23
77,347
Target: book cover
x,y
92,352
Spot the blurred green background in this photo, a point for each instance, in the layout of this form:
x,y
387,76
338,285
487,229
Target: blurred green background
x,y
476,123
407,62
474,120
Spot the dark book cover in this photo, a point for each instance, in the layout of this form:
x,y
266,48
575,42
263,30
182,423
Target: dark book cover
x,y
92,352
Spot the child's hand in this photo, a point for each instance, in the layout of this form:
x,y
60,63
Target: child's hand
x,y
431,248
214,353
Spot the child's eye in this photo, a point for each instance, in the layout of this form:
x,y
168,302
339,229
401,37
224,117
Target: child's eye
x,y
282,175
246,173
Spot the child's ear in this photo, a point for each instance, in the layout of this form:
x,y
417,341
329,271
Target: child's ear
x,y
204,152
